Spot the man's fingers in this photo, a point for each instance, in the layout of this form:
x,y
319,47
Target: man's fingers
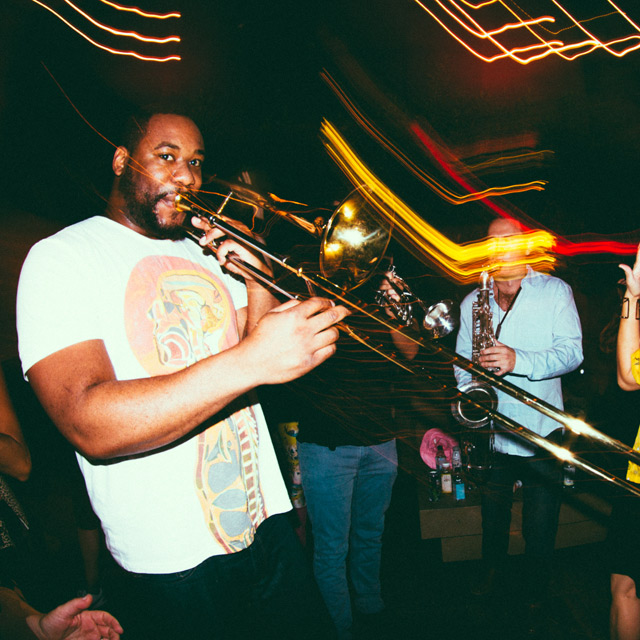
x,y
76,605
322,311
285,306
323,354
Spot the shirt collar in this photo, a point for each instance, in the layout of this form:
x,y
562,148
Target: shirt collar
x,y
530,279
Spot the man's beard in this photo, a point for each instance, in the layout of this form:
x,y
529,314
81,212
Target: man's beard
x,y
141,208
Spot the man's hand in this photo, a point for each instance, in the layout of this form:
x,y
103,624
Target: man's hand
x,y
390,294
293,338
632,276
500,358
72,621
230,246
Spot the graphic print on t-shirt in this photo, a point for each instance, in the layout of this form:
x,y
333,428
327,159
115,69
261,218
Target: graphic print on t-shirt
x,y
177,313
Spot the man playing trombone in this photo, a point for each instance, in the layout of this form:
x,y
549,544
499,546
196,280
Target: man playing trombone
x,y
538,338
144,350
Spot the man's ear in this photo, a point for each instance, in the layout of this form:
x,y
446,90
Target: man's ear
x,y
120,159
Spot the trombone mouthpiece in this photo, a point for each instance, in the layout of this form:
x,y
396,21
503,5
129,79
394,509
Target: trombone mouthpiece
x,y
181,204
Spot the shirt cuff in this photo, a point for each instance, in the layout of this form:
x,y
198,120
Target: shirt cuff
x,y
524,364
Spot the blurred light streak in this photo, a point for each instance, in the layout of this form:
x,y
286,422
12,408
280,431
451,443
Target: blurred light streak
x,y
592,36
144,14
431,183
568,248
461,262
529,53
564,247
510,158
111,50
438,154
117,32
68,99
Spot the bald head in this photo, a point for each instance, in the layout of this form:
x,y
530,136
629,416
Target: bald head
x,y
504,227
508,258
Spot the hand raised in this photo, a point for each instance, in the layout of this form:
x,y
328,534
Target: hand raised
x,y
293,338
632,275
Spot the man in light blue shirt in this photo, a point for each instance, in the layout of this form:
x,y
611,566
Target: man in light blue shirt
x,y
538,339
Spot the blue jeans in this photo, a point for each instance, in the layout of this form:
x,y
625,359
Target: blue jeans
x,y
541,498
348,491
263,591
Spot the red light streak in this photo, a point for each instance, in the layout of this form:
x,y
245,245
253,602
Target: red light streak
x,y
434,185
563,247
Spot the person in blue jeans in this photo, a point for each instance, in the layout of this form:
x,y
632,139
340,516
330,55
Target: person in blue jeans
x,y
348,461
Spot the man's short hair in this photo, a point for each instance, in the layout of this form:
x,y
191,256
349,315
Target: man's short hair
x,y
136,124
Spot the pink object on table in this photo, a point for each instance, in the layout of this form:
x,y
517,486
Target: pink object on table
x,y
429,446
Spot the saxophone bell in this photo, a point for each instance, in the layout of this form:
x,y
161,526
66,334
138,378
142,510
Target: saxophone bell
x,y
438,320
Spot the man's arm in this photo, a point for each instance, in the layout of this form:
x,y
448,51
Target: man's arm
x,y
464,340
563,356
15,459
407,347
628,333
106,418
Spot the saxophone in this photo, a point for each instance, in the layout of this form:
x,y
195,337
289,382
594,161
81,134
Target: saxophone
x,y
482,321
437,320
477,439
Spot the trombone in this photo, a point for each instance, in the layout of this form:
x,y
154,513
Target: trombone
x,y
352,244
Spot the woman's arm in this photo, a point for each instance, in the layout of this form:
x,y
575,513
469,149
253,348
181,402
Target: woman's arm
x,y
628,333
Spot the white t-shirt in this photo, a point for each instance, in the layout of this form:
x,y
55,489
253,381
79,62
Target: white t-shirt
x,y
159,306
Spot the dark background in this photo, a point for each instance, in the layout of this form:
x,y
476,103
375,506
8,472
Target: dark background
x,y
250,71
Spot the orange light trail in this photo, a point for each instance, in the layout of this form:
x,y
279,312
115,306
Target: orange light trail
x,y
117,32
144,14
529,53
111,50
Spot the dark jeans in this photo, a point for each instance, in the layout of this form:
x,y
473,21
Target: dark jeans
x,y
264,591
540,476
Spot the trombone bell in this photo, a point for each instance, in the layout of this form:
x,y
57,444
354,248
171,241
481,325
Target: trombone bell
x,y
355,239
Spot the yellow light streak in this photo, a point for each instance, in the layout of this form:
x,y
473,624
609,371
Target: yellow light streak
x,y
463,262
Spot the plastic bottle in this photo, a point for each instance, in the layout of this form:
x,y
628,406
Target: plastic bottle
x,y
460,492
441,458
445,477
456,458
434,486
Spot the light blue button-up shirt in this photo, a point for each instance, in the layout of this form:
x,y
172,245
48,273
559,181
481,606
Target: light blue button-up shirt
x,y
544,329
